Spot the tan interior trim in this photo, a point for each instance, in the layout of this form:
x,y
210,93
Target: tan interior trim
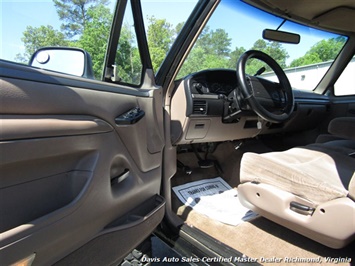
x,y
25,127
331,224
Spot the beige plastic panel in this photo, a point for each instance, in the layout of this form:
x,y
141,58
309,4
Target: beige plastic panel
x,y
332,223
198,129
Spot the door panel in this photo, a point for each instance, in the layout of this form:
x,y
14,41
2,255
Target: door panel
x,y
72,181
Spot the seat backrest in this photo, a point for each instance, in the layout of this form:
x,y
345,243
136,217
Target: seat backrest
x,y
343,127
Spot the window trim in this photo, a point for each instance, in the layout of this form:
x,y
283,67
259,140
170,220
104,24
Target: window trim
x,y
115,37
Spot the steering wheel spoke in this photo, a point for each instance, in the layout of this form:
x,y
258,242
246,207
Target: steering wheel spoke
x,y
259,93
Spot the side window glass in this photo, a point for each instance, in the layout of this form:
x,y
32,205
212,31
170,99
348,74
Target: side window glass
x,y
61,23
345,84
163,22
128,61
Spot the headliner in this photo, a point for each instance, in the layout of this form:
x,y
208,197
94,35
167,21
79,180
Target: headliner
x,y
333,15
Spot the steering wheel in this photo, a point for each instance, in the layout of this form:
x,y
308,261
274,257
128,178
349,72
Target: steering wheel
x,y
248,93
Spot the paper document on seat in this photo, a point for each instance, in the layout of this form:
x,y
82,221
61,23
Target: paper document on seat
x,y
214,198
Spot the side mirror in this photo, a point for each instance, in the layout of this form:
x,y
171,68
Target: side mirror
x,y
73,61
281,36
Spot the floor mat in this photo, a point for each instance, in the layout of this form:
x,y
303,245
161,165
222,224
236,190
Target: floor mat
x,y
215,199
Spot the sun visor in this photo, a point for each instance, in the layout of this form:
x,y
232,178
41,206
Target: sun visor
x,y
341,18
330,15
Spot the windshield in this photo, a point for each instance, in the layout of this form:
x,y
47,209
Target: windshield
x,y
236,27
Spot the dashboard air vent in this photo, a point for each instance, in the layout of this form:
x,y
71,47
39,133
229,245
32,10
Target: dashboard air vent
x,y
199,107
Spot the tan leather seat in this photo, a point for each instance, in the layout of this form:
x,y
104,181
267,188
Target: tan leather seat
x,y
310,189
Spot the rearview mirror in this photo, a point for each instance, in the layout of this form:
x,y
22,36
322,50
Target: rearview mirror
x,y
73,61
281,36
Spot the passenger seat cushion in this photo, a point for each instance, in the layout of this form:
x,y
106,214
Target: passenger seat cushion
x,y
311,174
343,127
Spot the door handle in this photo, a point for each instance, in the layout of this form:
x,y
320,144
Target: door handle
x,y
122,176
130,117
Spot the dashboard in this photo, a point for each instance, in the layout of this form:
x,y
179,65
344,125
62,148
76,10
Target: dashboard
x,y
202,101
213,82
